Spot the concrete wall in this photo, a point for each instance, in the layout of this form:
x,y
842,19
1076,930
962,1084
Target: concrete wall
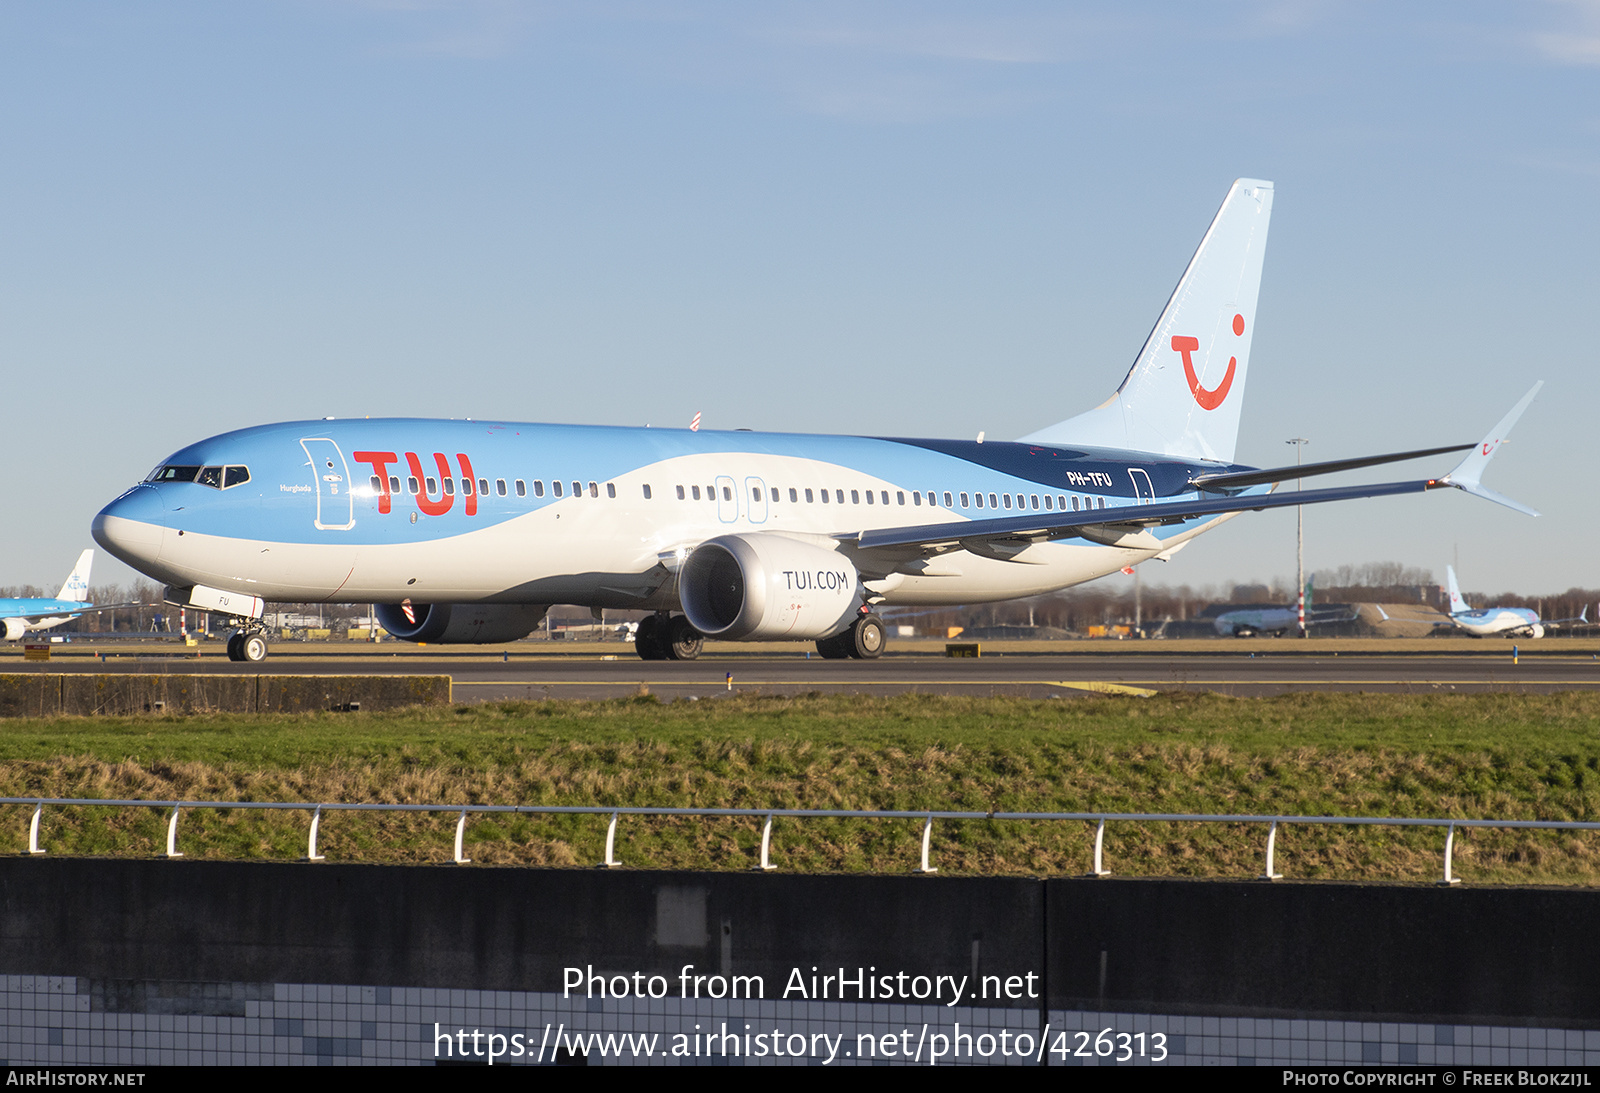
x,y
42,694
1390,952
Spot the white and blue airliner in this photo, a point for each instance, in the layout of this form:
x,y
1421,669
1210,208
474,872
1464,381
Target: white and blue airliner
x,y
1506,622
467,531
18,616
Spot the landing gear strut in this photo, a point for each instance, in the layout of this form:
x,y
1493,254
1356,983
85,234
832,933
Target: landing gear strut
x,y
667,637
864,640
248,645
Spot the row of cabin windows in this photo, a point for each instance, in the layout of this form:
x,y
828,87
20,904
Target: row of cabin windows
x,y
430,486
976,500
559,489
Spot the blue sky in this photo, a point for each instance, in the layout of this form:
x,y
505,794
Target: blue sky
x,y
896,218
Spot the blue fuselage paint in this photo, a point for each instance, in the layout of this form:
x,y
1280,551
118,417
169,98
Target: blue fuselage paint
x,y
496,512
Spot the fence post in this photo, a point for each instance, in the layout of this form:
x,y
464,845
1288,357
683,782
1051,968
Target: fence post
x,y
611,861
927,833
1272,840
461,829
1099,850
1449,847
33,830
172,835
311,843
766,844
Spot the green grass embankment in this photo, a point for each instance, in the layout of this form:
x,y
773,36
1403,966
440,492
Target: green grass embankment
x,y
1491,756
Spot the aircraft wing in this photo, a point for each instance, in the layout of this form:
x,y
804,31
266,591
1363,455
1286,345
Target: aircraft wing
x,y
75,611
1122,525
1113,523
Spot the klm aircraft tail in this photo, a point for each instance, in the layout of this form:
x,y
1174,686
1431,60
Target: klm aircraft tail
x,y
1183,395
77,586
1457,604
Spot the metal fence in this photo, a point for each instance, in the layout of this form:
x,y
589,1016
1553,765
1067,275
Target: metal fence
x,y
1099,819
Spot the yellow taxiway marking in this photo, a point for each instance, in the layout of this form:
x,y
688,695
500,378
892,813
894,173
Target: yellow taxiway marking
x,y
1084,685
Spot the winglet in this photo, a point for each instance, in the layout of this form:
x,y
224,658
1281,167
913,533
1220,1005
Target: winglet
x,y
1469,471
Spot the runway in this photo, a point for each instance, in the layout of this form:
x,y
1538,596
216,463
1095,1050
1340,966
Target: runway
x,y
612,670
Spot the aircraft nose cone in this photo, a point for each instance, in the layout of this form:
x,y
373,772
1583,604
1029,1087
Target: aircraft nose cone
x,y
131,527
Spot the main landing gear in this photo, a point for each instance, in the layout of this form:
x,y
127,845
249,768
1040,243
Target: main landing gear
x,y
667,637
864,640
248,645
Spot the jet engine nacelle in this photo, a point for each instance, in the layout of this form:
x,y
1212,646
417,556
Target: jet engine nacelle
x,y
764,587
1537,631
15,628
461,623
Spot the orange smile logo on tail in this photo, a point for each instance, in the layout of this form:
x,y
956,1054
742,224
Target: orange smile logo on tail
x,y
1208,400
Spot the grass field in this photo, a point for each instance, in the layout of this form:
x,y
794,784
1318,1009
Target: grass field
x,y
1486,756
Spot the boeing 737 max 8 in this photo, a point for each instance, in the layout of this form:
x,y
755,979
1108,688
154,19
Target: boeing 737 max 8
x,y
466,531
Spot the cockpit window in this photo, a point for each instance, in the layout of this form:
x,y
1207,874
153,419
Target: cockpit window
x,y
218,478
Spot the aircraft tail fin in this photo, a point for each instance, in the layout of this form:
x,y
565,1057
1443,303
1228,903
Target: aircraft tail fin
x,y
1457,604
1183,394
77,586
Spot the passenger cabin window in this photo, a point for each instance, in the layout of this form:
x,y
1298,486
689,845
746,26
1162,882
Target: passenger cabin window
x,y
947,499
696,491
377,484
727,493
964,501
500,486
411,485
449,486
809,498
647,491
394,484
466,487
838,495
680,493
483,487
869,497
433,487
885,495
594,489
824,497
1047,502
992,502
577,489
611,489
794,495
916,497
555,487
979,496
755,493
855,497
899,496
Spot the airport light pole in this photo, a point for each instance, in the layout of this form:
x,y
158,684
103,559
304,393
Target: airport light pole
x,y
1300,443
